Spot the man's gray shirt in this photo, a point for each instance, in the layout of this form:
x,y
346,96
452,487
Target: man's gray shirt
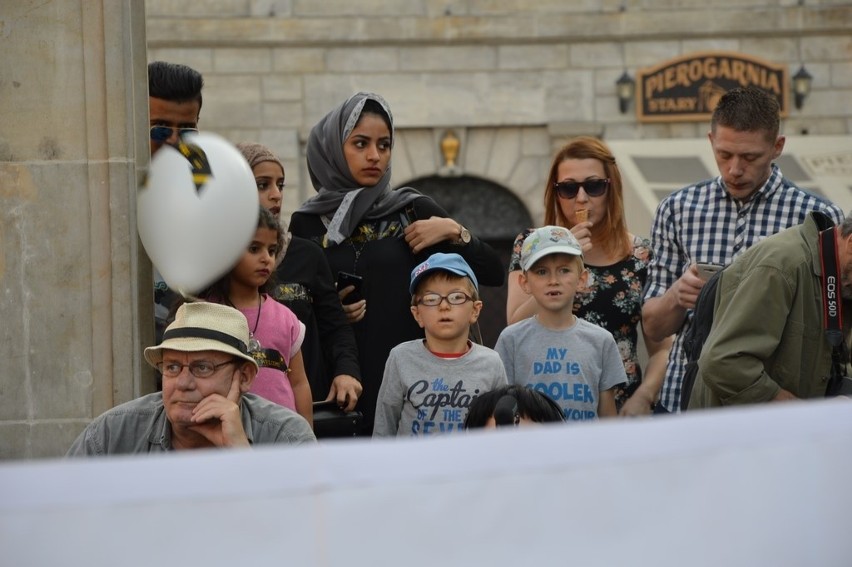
x,y
140,426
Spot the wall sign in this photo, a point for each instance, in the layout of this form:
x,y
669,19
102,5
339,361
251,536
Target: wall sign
x,y
687,88
830,164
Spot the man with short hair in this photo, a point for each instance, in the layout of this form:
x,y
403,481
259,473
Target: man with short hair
x,y
174,102
715,221
174,105
767,342
207,371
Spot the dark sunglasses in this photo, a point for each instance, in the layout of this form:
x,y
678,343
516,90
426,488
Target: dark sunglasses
x,y
593,188
163,133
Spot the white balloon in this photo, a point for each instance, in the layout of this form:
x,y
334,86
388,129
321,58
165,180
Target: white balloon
x,y
194,235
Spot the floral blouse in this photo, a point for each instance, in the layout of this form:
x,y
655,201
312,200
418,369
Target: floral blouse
x,y
612,299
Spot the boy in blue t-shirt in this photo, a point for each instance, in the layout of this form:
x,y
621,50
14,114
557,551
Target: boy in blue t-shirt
x,y
554,352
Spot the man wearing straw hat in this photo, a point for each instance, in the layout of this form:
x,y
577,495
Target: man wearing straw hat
x,y
207,372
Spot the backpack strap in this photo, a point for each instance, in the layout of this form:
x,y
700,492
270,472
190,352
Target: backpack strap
x,y
822,220
693,340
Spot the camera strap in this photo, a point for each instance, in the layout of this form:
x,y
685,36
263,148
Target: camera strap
x,y
832,308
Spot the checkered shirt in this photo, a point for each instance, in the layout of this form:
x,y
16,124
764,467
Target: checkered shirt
x,y
702,223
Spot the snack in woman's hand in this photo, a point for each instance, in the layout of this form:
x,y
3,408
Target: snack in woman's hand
x,y
582,215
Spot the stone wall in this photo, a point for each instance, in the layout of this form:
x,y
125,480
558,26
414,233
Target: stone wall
x,y
73,110
545,69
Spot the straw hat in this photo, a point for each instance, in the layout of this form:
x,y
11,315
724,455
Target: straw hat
x,y
204,326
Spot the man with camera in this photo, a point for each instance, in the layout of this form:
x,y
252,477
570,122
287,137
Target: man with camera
x,y
778,330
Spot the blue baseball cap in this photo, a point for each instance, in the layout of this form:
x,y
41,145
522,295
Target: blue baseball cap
x,y
452,263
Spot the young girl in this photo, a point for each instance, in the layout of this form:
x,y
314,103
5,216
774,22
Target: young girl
x,y
304,283
276,334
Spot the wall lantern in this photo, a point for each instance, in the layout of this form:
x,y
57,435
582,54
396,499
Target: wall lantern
x,y
450,145
625,87
801,86
450,148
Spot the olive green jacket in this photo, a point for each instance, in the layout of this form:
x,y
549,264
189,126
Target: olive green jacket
x,y
767,331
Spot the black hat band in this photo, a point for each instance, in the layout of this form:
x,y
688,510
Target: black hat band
x,y
202,333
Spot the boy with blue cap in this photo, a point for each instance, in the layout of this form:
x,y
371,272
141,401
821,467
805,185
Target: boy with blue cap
x,y
429,383
554,352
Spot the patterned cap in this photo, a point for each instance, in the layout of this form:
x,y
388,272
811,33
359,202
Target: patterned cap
x,y
548,240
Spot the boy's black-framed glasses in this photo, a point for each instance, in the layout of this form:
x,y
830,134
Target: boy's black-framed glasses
x,y
435,299
593,187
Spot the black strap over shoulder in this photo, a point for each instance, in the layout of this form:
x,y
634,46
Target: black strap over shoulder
x,y
833,312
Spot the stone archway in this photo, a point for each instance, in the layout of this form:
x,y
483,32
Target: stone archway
x,y
494,214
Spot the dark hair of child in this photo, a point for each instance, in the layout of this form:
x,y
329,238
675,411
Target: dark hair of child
x,y
532,405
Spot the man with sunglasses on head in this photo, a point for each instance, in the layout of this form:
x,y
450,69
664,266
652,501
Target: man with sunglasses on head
x,y
207,372
174,105
715,221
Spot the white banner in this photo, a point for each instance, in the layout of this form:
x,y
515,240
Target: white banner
x,y
755,486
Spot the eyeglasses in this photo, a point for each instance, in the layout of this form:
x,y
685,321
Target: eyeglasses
x,y
163,133
198,368
435,299
593,187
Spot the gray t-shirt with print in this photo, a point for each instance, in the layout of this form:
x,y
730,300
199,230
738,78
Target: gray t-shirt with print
x,y
424,394
572,366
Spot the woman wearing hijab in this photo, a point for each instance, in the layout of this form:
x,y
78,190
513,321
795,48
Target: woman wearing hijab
x,y
368,230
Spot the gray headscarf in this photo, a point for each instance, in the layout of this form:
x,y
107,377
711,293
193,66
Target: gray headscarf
x,y
338,194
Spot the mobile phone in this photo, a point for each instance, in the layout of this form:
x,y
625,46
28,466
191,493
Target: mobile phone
x,y
344,280
706,270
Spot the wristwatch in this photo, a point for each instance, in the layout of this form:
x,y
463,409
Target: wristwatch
x,y
464,236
